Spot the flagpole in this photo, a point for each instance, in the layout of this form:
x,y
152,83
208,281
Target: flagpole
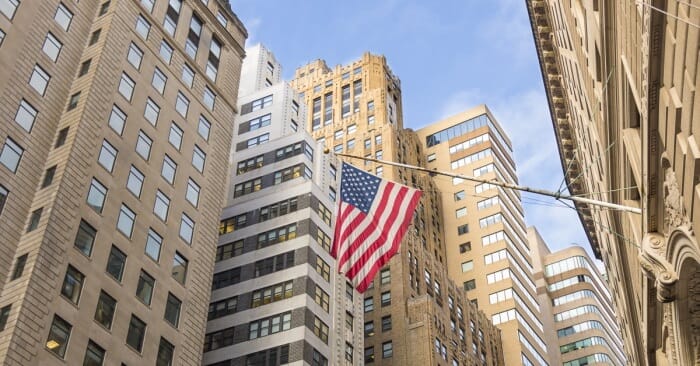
x,y
557,195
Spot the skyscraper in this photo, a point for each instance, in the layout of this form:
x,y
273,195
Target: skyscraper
x,y
276,297
485,239
115,139
583,321
413,313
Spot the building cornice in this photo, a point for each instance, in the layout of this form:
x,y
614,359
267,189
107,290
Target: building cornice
x,y
548,56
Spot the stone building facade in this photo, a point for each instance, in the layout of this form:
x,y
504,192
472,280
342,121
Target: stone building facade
x,y
621,79
115,132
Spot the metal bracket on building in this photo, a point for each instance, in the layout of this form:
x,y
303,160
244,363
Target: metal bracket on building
x,y
557,195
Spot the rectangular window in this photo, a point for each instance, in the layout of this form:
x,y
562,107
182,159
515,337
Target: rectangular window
x,y
85,238
161,205
203,128
142,27
209,98
321,298
387,349
59,334
117,119
151,111
26,115
144,288
94,354
187,75
134,56
9,7
321,330
115,263
169,169
34,219
469,285
107,156
262,103
39,80
223,308
153,244
369,354
192,194
48,176
3,197
52,46
94,37
4,315
104,313
73,101
386,323
198,158
369,304
125,222
182,104
104,8
467,266
166,350
179,270
172,310
96,195
135,181
386,298
148,4
63,17
19,267
323,268
385,276
143,145
186,228
212,68
126,87
175,136
272,293
72,285
136,334
159,80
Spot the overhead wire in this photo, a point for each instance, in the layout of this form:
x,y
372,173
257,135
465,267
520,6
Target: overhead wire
x,y
686,21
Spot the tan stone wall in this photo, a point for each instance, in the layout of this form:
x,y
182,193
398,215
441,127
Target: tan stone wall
x,y
35,297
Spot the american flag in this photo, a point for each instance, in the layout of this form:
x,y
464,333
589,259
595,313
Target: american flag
x,y
371,219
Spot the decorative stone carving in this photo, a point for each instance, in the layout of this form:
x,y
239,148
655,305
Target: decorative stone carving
x,y
669,339
673,206
656,266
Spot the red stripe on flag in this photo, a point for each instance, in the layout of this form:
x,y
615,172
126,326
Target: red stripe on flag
x,y
384,259
371,227
381,240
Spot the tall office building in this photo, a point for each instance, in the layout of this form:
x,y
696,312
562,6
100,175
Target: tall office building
x,y
413,313
485,239
115,136
621,81
583,321
276,297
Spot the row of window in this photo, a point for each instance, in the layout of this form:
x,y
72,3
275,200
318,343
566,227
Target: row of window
x,y
387,352
386,326
59,337
193,38
261,267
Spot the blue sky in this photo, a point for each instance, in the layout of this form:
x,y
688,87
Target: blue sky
x,y
450,56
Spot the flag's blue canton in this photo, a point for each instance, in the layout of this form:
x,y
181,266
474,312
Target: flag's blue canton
x,y
357,187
